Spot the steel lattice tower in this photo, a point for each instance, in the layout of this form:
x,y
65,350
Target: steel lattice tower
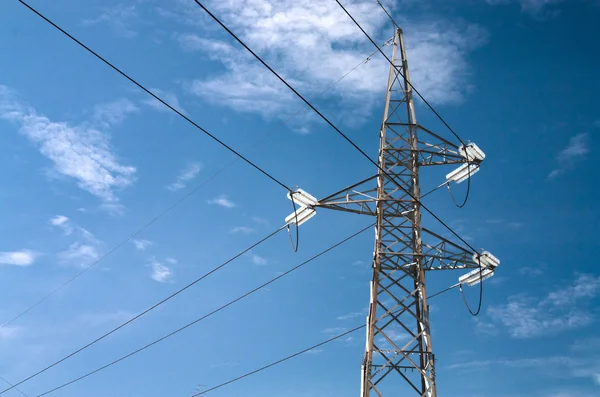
x,y
399,358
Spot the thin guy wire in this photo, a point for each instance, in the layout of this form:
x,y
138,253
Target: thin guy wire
x,y
299,353
211,313
331,124
419,94
412,86
17,389
167,210
388,14
186,118
279,361
147,310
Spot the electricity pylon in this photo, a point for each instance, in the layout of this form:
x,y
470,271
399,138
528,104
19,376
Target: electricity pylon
x,y
399,354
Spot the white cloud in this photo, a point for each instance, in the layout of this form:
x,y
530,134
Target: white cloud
x,y
530,271
351,316
166,96
80,152
260,221
576,151
223,201
525,317
585,286
160,272
83,252
7,333
188,173
62,222
113,113
113,209
141,245
558,366
17,258
119,19
534,7
172,261
241,229
80,254
315,351
258,260
326,45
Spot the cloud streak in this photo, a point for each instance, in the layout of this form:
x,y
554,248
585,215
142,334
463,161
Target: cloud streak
x,y
525,317
575,152
118,18
82,152
326,45
222,201
188,173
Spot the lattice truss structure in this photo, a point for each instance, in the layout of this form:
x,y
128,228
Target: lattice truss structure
x,y
399,360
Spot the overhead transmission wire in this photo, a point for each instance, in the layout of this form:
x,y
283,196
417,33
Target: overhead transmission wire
x,y
178,202
265,284
330,123
417,92
153,95
229,304
476,313
286,358
16,388
171,296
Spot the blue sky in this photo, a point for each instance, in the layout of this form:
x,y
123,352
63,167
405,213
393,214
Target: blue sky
x,y
89,159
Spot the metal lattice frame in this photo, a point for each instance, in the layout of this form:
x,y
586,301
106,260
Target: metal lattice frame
x,y
398,333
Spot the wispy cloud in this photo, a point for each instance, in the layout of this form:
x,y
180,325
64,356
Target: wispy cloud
x,y
141,245
585,286
81,152
526,317
223,201
241,229
62,222
161,272
168,97
188,173
567,159
84,251
351,316
258,260
533,7
7,333
530,271
17,258
576,366
113,113
113,209
326,45
118,18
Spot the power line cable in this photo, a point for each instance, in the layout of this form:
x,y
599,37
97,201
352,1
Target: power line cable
x,y
301,351
279,361
211,313
178,202
391,63
147,310
139,85
474,313
416,91
17,389
330,123
388,14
